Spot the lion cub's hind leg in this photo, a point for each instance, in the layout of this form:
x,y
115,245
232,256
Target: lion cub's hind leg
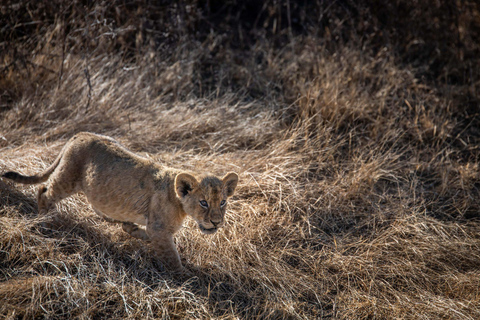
x,y
63,182
42,201
135,231
48,195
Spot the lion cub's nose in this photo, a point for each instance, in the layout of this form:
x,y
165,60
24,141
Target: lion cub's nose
x,y
215,223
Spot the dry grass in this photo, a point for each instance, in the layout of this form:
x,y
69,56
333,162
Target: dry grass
x,y
356,141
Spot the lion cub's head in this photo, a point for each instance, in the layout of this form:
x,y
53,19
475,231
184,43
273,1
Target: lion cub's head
x,y
206,200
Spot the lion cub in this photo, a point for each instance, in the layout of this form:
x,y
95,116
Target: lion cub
x,y
124,187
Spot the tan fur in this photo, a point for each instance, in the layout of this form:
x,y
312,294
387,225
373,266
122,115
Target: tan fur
x,y
124,187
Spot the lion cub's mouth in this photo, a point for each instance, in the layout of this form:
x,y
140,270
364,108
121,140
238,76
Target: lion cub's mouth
x,y
208,230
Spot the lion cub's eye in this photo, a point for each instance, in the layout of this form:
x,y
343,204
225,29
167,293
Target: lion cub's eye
x,y
223,203
204,204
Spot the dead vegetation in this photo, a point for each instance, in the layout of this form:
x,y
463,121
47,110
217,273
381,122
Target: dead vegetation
x,y
354,128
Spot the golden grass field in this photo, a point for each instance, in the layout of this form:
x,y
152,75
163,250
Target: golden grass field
x,y
354,128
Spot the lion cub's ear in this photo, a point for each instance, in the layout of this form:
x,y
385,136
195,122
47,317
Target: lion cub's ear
x,y
184,183
230,183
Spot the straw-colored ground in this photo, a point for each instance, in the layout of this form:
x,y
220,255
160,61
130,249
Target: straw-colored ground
x,y
354,129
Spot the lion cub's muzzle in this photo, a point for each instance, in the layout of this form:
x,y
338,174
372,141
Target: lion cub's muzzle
x,y
210,227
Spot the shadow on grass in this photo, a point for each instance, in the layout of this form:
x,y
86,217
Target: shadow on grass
x,y
244,297
11,198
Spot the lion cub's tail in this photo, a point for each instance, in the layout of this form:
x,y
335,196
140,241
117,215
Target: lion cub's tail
x,y
38,178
